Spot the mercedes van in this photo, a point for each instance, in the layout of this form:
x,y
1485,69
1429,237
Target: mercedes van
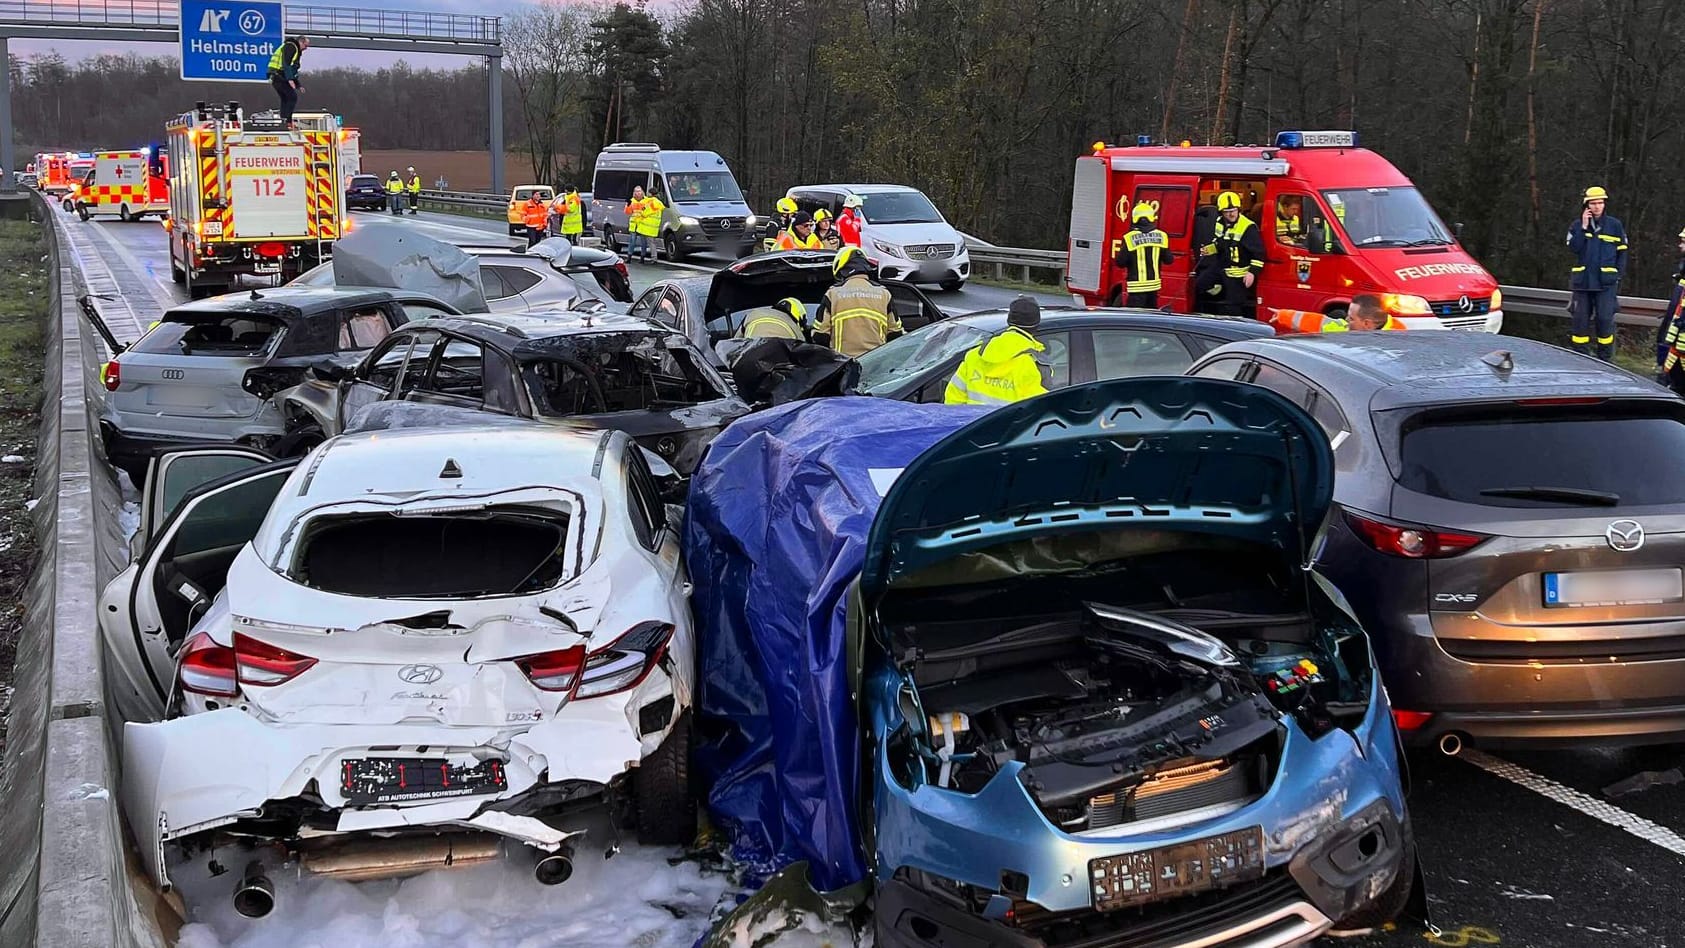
x,y
705,207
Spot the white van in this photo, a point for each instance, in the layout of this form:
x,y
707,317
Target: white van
x,y
900,229
705,208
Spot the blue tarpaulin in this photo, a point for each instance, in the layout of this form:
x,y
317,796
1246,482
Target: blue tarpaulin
x,y
775,532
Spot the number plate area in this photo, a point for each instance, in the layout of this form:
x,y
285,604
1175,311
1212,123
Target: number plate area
x,y
403,779
1614,587
1116,882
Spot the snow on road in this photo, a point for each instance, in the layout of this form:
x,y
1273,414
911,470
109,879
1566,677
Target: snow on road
x,y
641,898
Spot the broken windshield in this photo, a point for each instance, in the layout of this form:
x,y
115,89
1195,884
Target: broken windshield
x,y
617,372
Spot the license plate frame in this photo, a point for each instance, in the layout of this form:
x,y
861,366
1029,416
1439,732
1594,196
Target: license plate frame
x,y
386,780
267,266
1626,587
1127,880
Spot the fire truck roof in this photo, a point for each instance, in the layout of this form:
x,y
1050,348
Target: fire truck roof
x,y
1323,168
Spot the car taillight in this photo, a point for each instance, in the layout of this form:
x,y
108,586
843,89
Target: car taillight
x,y
1410,540
260,663
620,267
111,375
1411,720
626,661
553,671
207,668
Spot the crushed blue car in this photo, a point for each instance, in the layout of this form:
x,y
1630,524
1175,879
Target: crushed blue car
x,y
1052,675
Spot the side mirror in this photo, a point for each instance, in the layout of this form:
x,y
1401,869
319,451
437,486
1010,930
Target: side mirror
x,y
327,370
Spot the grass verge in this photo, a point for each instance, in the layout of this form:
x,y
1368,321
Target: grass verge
x,y
24,295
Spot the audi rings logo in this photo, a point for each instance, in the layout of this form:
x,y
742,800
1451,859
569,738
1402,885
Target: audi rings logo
x,y
1624,536
176,374
1465,304
420,674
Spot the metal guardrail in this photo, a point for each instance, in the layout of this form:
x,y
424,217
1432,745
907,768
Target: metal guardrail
x,y
477,199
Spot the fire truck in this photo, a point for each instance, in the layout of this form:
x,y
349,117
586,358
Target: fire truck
x,y
250,195
53,171
130,184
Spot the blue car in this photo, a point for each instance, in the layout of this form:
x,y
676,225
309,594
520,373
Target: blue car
x,y
1100,700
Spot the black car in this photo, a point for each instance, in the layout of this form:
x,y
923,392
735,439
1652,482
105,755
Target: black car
x,y
1083,345
598,369
365,191
709,310
1508,524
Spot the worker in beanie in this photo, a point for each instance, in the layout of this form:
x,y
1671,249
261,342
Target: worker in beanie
x,y
1004,369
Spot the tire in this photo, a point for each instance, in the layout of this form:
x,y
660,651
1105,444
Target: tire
x,y
670,247
123,213
661,786
296,444
82,211
1388,904
608,238
953,286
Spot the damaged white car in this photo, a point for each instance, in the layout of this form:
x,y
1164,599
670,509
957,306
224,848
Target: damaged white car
x,y
401,652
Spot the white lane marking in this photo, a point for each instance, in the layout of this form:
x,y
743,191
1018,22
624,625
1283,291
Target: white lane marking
x,y
1591,806
162,292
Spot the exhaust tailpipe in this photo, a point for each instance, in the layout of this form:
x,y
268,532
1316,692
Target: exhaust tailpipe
x,y
1450,744
254,897
556,868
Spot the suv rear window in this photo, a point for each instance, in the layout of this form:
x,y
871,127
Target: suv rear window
x,y
1513,456
210,334
500,552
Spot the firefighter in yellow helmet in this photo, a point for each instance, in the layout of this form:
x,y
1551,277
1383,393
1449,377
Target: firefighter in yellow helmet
x,y
856,315
1144,251
1239,252
786,217
1004,369
412,188
1598,242
825,230
782,320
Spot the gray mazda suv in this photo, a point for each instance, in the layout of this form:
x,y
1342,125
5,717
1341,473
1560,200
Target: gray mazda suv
x,y
1509,526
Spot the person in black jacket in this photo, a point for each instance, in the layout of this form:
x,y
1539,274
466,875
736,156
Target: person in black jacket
x,y
1598,242
283,73
1669,370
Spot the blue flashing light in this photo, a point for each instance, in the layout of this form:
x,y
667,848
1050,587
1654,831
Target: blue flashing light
x,y
1320,139
1143,140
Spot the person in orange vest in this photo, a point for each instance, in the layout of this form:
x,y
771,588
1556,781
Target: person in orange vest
x,y
800,235
536,215
1298,320
1366,314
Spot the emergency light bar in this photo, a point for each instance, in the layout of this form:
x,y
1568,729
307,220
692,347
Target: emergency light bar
x,y
1323,139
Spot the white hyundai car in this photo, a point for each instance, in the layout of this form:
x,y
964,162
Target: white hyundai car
x,y
402,651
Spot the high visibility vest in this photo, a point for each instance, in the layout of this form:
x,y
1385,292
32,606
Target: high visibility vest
x,y
768,323
414,187
790,241
277,59
644,216
1148,248
1236,263
573,216
535,214
1294,320
394,186
998,372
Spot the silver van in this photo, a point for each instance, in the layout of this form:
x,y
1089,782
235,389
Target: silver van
x,y
705,207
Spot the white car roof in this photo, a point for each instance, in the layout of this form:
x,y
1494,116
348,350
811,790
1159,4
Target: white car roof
x,y
411,461
860,188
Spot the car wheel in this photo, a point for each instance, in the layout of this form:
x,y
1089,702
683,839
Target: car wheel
x,y
670,245
661,785
123,213
296,444
82,211
608,238
953,286
1388,904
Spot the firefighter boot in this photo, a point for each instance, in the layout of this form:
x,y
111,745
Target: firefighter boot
x,y
1606,349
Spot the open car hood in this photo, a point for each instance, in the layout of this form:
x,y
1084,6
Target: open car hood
x,y
764,279
1164,454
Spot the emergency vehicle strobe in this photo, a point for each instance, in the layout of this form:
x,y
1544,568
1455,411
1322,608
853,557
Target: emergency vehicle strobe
x,y
130,184
1336,221
248,195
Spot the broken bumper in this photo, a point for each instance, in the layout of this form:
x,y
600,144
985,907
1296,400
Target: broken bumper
x,y
1333,796
197,773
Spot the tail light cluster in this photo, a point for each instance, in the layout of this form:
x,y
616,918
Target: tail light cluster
x,y
618,666
207,668
111,375
1412,541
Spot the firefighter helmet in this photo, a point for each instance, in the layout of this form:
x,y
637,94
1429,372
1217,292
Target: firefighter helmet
x,y
849,262
1228,201
786,205
791,307
821,215
1595,193
853,200
1143,212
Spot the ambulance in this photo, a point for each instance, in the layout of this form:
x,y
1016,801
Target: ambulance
x,y
53,170
130,184
250,196
1336,220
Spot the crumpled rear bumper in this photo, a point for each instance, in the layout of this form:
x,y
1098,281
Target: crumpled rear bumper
x,y
197,773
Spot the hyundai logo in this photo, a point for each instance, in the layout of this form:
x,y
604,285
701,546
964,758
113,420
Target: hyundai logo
x,y
1464,304
420,674
174,374
1624,536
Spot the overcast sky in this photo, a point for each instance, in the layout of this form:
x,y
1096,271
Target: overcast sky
x,y
318,58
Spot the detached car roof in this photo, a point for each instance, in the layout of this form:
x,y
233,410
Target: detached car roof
x,y
1402,369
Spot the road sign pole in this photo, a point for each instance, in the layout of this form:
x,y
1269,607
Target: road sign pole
x,y
8,171
494,73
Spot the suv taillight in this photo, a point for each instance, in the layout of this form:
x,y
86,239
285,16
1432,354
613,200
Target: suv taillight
x,y
207,668
626,661
111,375
1412,541
259,663
553,671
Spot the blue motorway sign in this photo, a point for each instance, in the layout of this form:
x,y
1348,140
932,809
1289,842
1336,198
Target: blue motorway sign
x,y
229,40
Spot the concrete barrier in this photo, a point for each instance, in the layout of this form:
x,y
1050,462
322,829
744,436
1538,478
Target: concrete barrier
x,y
67,880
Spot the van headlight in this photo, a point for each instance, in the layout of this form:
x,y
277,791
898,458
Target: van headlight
x,y
690,222
1497,299
1405,304
893,250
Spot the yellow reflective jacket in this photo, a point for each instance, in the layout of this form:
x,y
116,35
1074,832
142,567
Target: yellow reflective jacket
x,y
998,372
764,322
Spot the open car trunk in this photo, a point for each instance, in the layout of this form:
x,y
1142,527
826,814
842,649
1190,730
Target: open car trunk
x,y
764,279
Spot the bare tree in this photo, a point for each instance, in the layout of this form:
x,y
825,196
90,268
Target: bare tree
x,y
544,55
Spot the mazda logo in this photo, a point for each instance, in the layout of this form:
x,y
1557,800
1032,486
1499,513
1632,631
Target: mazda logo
x,y
420,674
1464,304
1624,536
174,374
